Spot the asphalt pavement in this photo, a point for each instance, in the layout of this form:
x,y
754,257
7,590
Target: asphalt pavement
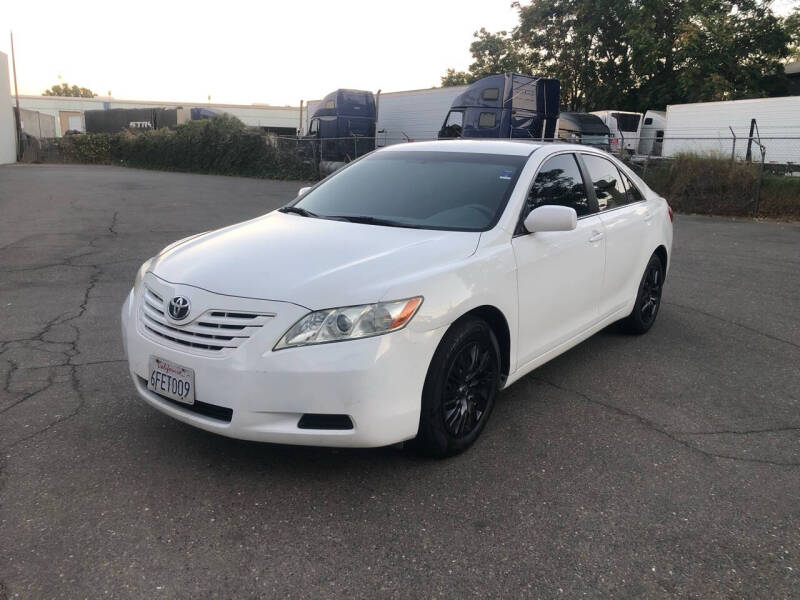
x,y
660,466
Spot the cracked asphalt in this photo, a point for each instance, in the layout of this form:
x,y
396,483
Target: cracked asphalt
x,y
659,466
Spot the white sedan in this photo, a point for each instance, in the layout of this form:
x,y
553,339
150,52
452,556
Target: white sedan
x,y
392,300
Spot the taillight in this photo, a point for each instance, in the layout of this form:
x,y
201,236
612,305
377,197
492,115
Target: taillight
x,y
669,210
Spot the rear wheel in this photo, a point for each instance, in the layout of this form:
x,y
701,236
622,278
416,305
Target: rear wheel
x,y
460,389
648,298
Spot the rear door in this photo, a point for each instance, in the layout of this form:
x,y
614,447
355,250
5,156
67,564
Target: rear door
x,y
625,217
559,273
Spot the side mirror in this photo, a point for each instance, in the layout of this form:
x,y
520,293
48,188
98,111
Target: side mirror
x,y
551,217
303,190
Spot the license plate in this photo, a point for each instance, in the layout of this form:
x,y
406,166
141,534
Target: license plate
x,y
171,380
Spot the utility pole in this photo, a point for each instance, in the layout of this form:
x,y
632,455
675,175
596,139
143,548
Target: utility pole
x,y
16,95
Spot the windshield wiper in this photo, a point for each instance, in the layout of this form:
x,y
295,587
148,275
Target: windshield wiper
x,y
297,211
371,221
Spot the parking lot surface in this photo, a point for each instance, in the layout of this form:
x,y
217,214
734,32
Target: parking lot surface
x,y
657,466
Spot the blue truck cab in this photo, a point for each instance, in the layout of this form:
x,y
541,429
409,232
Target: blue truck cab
x,y
342,127
505,106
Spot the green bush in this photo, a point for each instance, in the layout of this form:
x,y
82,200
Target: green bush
x,y
221,146
92,148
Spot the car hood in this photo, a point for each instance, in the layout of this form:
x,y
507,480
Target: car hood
x,y
316,263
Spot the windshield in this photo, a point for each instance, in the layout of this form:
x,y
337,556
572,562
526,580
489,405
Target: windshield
x,y
429,190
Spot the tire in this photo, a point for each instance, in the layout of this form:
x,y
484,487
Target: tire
x,y
460,389
648,299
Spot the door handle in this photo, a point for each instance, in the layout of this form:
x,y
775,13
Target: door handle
x,y
648,215
596,236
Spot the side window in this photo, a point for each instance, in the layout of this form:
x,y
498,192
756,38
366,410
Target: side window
x,y
486,120
491,94
453,124
607,182
456,117
634,195
559,182
314,127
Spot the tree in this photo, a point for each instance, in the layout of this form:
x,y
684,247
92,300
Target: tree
x,y
584,44
726,54
792,26
453,77
492,53
64,89
639,54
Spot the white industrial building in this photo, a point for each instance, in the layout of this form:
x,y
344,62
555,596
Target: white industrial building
x,y
709,128
68,112
8,134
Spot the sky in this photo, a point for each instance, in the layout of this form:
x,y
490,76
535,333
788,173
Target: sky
x,y
263,52
244,52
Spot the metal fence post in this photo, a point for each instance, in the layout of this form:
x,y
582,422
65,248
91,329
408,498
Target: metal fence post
x,y
733,148
749,155
760,173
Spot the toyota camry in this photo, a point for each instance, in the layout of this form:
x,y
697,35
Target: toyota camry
x,y
392,301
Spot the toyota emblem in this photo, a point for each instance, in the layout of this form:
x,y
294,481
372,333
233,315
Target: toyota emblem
x,y
179,308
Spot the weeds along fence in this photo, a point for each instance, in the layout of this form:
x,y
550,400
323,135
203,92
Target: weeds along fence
x,y
757,175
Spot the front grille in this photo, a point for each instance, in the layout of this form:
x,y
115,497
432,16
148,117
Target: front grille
x,y
212,411
215,330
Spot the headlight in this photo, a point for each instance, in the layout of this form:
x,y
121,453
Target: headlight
x,y
350,323
140,274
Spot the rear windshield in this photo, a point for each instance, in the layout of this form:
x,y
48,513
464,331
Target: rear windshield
x,y
627,122
430,190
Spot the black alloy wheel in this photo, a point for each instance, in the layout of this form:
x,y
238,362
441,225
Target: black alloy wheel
x,y
648,300
470,384
650,296
460,389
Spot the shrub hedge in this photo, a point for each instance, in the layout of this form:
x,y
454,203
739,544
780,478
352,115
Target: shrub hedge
x,y
222,146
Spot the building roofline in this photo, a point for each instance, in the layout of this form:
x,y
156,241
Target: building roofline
x,y
156,102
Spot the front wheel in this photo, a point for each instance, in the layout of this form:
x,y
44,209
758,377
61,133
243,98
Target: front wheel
x,y
460,389
648,298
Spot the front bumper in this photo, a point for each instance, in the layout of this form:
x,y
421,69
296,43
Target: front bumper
x,y
376,381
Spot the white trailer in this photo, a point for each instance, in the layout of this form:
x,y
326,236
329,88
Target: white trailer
x,y
705,128
651,134
624,126
412,115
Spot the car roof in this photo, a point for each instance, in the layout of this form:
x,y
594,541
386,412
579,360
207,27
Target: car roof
x,y
509,147
500,147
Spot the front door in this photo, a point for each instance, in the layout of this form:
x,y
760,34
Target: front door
x,y
559,273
